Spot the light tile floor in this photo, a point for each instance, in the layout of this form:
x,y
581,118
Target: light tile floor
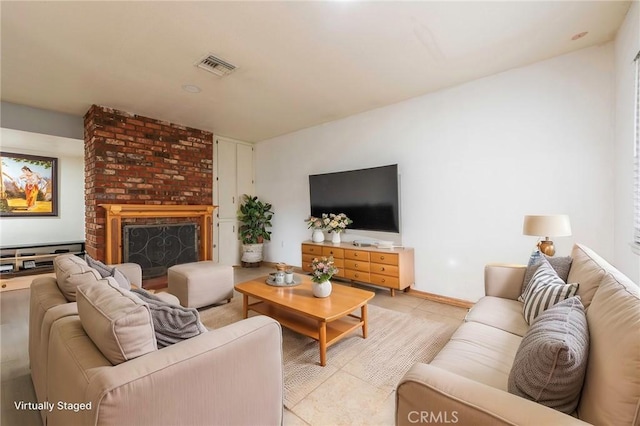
x,y
331,403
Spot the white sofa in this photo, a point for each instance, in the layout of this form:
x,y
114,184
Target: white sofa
x,y
232,375
468,380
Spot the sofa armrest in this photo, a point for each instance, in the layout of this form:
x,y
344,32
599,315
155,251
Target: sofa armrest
x,y
504,280
427,393
46,305
231,375
167,298
38,359
44,295
132,271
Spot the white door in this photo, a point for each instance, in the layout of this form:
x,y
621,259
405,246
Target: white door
x,y
244,170
228,246
226,180
234,177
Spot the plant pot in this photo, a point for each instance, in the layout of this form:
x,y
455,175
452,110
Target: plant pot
x,y
252,253
335,237
317,236
322,289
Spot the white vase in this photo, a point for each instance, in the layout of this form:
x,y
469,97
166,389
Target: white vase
x,y
317,236
322,289
335,237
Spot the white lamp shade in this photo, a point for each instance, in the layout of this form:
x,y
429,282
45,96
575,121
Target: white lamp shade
x,y
557,225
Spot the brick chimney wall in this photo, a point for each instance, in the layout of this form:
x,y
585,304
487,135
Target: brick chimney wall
x,y
131,159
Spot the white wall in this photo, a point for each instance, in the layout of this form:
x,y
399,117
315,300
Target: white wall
x,y
473,159
69,224
627,45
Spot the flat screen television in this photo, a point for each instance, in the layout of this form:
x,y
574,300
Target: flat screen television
x,y
369,197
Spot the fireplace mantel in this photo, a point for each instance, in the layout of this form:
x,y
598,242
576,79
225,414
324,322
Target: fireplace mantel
x,y
116,212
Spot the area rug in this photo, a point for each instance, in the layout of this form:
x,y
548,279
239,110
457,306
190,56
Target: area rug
x,y
395,342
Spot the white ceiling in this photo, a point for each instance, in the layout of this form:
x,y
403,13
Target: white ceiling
x,y
299,63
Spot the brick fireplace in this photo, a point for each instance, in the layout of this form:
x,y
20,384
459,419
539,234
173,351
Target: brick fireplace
x,y
136,160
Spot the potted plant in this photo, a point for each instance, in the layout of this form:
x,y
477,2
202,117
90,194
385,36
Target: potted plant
x,y
255,216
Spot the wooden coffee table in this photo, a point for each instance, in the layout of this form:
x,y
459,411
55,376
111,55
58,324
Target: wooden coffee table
x,y
326,320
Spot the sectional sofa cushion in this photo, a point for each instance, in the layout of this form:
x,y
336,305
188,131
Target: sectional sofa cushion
x,y
611,393
587,269
108,271
479,352
545,290
501,313
71,272
171,323
116,320
550,364
561,265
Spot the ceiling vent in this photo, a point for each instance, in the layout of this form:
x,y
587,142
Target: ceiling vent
x,y
215,65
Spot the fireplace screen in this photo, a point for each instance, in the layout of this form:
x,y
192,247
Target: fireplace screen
x,y
157,247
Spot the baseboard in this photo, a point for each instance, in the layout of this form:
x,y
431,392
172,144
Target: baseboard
x,y
441,299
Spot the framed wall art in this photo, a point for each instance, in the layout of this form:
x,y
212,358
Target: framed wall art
x,y
29,185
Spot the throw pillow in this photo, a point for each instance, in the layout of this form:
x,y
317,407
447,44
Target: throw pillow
x,y
550,364
561,265
545,290
72,271
117,321
108,271
171,323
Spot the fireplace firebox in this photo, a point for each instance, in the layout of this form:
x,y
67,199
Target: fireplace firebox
x,y
157,247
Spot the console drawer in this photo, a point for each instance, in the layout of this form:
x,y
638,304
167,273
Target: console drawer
x,y
382,269
386,258
356,255
386,281
311,249
338,263
337,253
356,275
357,265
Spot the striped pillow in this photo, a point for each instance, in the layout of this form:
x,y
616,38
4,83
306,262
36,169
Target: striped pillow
x,y
559,264
546,290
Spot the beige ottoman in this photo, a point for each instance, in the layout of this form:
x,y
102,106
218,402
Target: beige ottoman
x,y
201,284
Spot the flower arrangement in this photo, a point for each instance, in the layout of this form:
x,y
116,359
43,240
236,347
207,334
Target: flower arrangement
x,y
338,222
331,222
322,269
315,223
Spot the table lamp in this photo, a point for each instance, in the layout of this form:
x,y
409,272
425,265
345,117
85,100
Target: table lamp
x,y
547,226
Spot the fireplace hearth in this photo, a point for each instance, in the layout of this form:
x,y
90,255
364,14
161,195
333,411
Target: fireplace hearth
x,y
157,247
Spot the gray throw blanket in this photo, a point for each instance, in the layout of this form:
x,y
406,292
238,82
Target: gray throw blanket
x,y
171,323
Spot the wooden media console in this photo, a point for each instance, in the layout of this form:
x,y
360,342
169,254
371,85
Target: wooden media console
x,y
391,268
